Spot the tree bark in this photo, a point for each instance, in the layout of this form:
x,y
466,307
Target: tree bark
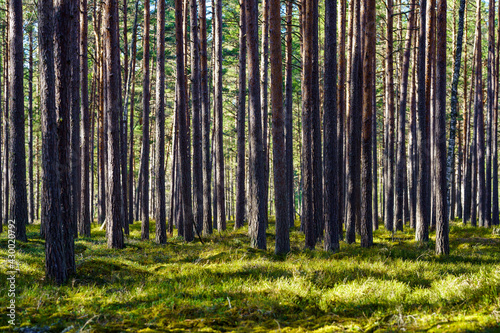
x,y
490,114
442,227
369,42
218,125
240,171
31,197
55,263
146,96
289,115
279,163
181,98
257,214
161,213
330,119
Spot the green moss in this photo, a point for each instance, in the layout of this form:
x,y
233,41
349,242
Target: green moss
x,y
225,286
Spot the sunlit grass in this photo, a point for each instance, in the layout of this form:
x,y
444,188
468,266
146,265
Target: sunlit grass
x,y
223,285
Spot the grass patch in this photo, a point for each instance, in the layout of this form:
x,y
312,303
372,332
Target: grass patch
x,y
225,285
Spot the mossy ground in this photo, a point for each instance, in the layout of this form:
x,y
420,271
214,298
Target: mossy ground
x,y
224,285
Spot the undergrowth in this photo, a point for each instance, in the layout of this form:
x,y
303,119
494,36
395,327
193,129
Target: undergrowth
x,y
224,285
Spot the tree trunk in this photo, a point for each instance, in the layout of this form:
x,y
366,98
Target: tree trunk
x,y
369,45
114,231
257,215
354,130
31,198
289,115
264,85
181,98
205,119
389,99
85,218
161,213
63,62
55,264
454,101
240,171
341,113
442,228
495,212
401,153
279,163
330,118
197,140
491,106
145,127
423,198
479,126
219,150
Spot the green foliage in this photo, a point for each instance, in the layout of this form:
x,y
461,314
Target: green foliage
x,y
224,285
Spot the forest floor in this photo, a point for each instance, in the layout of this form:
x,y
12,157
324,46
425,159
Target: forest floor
x,y
224,285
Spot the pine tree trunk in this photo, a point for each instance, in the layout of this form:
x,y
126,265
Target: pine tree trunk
x,y
279,162
240,171
63,69
401,153
495,212
257,214
490,114
423,169
442,227
289,115
369,45
55,264
161,213
264,85
114,231
181,98
389,99
330,119
31,198
218,125
145,128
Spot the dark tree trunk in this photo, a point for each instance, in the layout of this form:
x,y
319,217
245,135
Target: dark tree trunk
x,y
161,213
240,171
85,218
401,153
218,125
17,160
55,264
279,163
330,118
205,120
7,135
454,101
75,172
353,207
197,135
495,212
289,115
31,198
389,100
264,85
257,215
442,228
490,114
63,62
146,95
423,169
341,113
412,177
369,68
181,98
114,231
2,159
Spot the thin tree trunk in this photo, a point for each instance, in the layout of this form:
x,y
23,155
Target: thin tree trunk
x,y
240,171
454,101
196,104
161,213
114,231
401,153
279,163
389,98
495,212
31,199
205,119
330,119
257,215
145,127
181,98
442,227
490,114
369,45
289,115
264,85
